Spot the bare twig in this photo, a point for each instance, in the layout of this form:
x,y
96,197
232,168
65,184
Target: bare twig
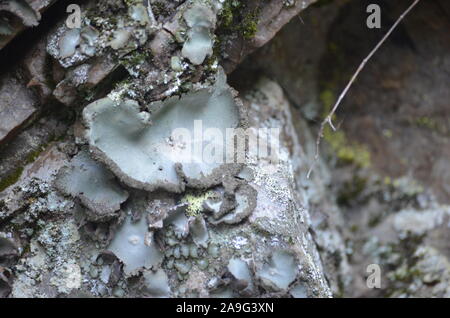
x,y
153,21
328,119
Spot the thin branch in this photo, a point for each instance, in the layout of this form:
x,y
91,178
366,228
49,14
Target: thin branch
x,y
153,21
328,119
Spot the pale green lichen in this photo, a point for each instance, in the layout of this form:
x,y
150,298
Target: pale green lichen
x,y
201,20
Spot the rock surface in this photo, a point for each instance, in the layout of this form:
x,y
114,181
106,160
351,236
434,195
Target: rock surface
x,y
79,218
375,196
228,230
16,16
17,106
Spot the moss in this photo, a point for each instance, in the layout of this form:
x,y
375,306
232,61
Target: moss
x,y
238,17
351,190
160,9
226,15
32,156
327,99
250,25
347,152
16,174
86,93
134,59
428,123
11,178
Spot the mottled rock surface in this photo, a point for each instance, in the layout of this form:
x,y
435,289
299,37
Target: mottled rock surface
x,y
378,195
224,230
87,111
17,106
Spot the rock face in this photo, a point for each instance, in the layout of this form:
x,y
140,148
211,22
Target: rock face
x,y
379,191
17,15
119,205
132,164
17,106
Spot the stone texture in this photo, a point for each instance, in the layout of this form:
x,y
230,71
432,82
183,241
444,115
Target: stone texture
x,y
25,14
17,105
266,231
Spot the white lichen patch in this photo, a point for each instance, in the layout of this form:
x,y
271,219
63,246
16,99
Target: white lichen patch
x,y
73,46
68,43
299,290
120,39
67,277
414,222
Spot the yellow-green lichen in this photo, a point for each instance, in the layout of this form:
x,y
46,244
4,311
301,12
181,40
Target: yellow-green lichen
x,y
430,124
194,201
387,133
407,186
346,151
327,99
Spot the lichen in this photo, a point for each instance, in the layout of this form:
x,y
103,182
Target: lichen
x,y
156,283
280,272
245,197
95,186
346,151
134,245
155,157
199,231
194,200
241,273
200,19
